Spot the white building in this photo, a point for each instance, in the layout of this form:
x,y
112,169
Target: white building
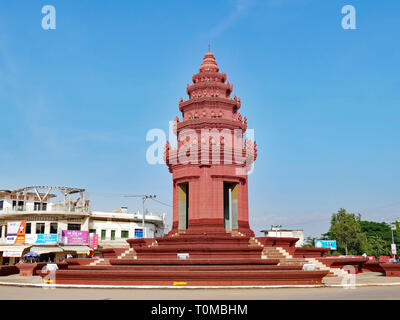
x,y
286,233
114,228
55,229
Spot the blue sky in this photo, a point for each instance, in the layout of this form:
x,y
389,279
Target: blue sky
x,y
76,102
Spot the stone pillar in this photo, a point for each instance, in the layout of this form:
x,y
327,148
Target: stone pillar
x,y
194,202
175,207
234,204
243,212
183,205
226,208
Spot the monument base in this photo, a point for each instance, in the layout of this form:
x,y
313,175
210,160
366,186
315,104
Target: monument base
x,y
217,258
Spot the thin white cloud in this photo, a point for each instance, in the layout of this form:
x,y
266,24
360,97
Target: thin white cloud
x,y
240,8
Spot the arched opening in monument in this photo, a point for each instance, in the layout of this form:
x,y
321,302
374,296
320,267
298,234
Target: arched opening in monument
x,y
230,206
183,189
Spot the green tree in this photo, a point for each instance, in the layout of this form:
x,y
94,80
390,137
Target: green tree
x,y
376,246
355,236
309,242
379,235
346,230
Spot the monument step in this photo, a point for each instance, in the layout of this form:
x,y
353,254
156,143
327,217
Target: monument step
x,y
275,256
184,267
204,239
241,242
189,278
198,248
199,256
205,261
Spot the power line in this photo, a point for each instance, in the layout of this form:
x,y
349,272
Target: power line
x,y
118,195
144,198
163,203
107,195
307,222
393,204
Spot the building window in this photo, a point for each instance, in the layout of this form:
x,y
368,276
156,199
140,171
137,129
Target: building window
x,y
53,227
138,233
20,205
92,230
39,228
1,204
28,228
124,234
74,226
40,206
1,231
103,234
112,234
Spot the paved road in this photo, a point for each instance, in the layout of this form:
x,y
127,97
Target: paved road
x,y
389,292
363,293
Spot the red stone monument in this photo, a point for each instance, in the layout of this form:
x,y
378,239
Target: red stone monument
x,y
211,242
209,167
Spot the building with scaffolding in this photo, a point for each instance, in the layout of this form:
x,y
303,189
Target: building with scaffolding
x,y
57,229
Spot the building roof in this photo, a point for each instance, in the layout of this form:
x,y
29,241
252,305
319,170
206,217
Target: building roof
x,y
127,216
29,194
287,230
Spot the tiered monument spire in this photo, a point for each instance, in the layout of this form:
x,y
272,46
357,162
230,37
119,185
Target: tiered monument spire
x,y
210,165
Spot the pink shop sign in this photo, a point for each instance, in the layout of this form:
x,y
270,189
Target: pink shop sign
x,y
75,237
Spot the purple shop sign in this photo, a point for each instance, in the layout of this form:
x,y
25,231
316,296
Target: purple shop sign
x,y
75,237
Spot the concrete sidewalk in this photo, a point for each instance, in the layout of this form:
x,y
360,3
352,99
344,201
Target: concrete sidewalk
x,y
365,279
16,278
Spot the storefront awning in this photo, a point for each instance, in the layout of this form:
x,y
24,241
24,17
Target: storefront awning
x,y
13,251
77,249
44,249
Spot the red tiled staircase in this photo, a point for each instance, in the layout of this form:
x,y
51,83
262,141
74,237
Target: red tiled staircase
x,y
216,259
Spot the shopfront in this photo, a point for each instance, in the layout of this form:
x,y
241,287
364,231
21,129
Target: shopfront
x,y
11,255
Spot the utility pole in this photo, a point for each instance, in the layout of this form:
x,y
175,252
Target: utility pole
x,y
276,229
144,197
393,227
